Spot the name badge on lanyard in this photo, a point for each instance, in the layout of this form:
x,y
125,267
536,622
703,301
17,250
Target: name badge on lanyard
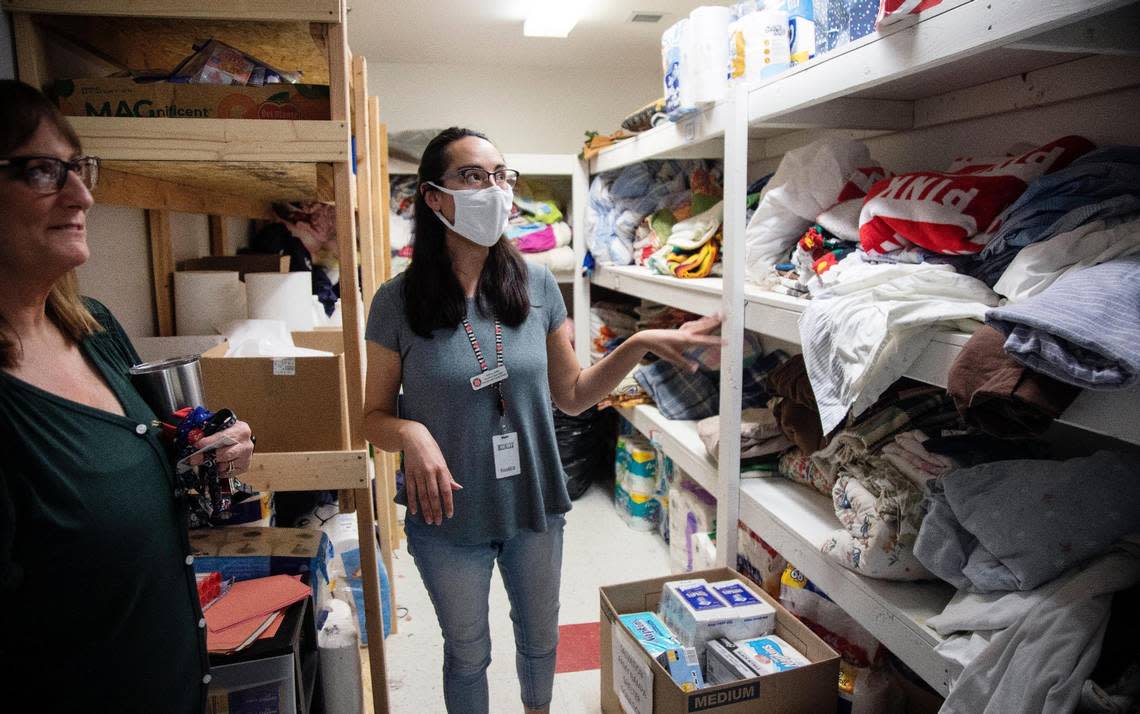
x,y
505,446
486,379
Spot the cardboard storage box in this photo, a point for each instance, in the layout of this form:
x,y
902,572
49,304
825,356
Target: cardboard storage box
x,y
290,403
124,97
248,552
629,674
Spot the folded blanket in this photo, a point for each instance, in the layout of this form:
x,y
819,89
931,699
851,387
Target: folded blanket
x,y
862,335
1084,330
797,466
759,434
863,438
796,410
881,512
908,454
998,394
679,394
1013,525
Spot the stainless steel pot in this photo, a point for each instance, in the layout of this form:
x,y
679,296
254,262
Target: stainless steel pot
x,y
170,384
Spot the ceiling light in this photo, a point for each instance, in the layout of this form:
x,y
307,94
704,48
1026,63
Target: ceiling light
x,y
547,18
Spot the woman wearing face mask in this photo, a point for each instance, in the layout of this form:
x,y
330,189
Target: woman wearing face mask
x,y
99,606
475,338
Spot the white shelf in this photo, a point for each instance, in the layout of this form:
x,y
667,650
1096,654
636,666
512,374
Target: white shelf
x,y
894,80
796,521
774,315
696,136
679,440
699,295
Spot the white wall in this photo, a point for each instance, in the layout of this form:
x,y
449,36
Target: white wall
x,y
522,109
118,274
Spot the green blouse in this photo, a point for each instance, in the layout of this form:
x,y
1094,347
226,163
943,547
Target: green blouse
x,y
98,603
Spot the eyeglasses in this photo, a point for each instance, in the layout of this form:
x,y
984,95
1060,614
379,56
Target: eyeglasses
x,y
47,174
473,177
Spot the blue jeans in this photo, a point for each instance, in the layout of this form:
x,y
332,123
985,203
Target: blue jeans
x,y
458,579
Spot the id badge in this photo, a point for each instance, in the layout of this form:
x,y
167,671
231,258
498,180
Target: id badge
x,y
486,379
506,449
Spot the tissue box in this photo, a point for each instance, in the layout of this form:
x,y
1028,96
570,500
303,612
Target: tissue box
x,y
292,403
630,675
683,668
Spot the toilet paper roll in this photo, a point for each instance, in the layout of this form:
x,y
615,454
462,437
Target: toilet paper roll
x,y
339,646
708,30
207,300
281,296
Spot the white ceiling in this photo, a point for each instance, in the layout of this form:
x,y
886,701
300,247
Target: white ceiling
x,y
489,32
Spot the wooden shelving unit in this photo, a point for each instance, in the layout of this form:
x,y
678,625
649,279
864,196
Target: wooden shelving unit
x,y
239,167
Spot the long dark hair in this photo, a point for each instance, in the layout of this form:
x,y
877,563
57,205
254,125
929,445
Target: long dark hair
x,y
23,109
433,297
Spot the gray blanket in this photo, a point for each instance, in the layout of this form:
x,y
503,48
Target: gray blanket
x,y
1013,525
1083,330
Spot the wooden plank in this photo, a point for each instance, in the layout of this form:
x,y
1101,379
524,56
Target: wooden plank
x,y
387,527
31,63
219,236
364,195
308,470
1060,83
162,269
124,189
382,190
265,10
353,328
162,139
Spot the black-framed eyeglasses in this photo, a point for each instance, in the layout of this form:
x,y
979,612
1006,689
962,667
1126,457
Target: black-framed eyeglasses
x,y
473,177
47,174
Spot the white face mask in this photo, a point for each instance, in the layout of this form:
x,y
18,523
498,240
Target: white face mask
x,y
481,214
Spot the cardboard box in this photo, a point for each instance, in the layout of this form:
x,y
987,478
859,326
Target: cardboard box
x,y
248,263
647,687
123,97
291,403
248,552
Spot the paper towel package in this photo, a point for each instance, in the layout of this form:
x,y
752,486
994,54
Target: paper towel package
x,y
707,42
772,654
281,296
205,300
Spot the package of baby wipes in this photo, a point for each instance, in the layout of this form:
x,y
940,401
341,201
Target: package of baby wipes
x,y
772,654
650,632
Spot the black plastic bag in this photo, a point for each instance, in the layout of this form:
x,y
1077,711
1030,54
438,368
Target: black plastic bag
x,y
585,447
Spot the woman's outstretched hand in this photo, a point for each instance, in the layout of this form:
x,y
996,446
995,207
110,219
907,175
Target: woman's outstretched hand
x,y
671,345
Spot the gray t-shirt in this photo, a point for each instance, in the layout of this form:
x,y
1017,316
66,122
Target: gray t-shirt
x,y
438,394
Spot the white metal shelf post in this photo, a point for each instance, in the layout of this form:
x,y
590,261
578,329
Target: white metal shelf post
x,y
580,190
732,329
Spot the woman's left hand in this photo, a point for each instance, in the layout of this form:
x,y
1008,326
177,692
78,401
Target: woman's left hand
x,y
672,344
232,459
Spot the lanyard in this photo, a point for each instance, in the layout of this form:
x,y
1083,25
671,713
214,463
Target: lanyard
x,y
483,361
